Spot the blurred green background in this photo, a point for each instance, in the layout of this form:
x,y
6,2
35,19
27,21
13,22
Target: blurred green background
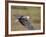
x,y
32,12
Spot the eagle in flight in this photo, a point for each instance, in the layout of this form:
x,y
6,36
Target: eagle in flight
x,y
24,20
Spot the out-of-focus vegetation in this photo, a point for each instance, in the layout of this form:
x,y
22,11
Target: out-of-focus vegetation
x,y
32,12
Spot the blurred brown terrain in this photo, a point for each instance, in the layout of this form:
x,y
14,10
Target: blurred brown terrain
x,y
32,12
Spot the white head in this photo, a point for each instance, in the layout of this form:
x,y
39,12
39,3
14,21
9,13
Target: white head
x,y
27,17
